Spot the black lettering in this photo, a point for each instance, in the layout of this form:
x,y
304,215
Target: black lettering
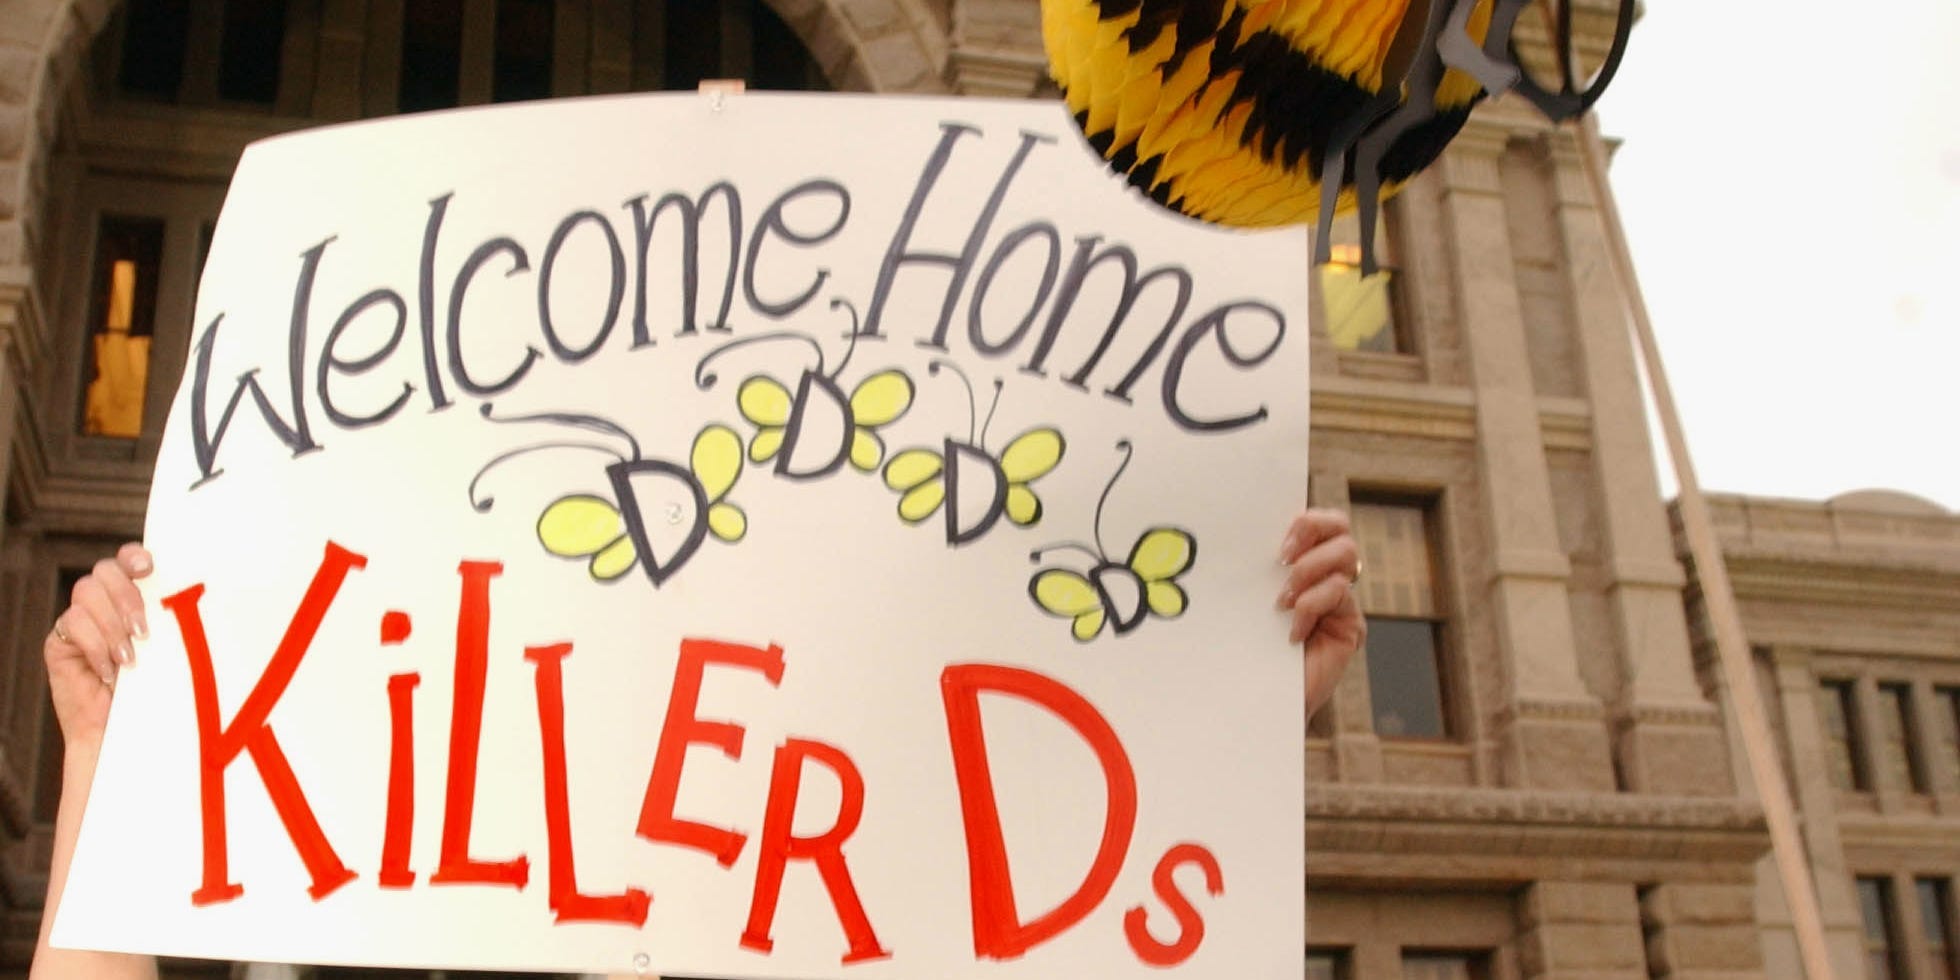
x,y
297,436
961,264
772,221
975,333
690,212
1212,324
1087,257
331,362
558,237
438,398
519,262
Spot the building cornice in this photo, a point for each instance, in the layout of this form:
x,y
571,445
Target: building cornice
x,y
1426,823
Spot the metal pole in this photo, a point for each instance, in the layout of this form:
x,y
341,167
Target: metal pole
x,y
1718,597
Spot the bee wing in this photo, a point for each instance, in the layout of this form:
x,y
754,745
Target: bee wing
x,y
867,450
580,525
767,441
912,468
1023,507
1031,454
1064,593
1166,599
763,401
1087,625
1162,554
716,460
727,521
922,501
614,560
881,398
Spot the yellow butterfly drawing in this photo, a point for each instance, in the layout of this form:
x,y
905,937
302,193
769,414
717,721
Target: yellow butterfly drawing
x,y
1117,594
973,487
813,430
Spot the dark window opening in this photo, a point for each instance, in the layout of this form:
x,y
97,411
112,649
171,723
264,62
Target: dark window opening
x,y
432,54
1902,759
524,49
1327,964
156,35
1835,702
1405,677
1875,907
693,43
1936,924
781,61
249,55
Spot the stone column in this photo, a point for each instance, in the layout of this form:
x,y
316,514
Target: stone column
x,y
1551,729
20,342
1668,736
1702,930
1580,930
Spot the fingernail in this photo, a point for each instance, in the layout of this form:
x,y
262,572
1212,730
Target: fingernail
x,y
1286,548
1285,601
108,677
128,653
138,626
140,564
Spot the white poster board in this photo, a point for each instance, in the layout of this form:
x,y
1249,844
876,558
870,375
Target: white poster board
x,y
765,537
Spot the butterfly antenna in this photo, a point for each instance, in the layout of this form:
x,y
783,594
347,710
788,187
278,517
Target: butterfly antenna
x,y
705,379
852,336
590,423
1128,451
482,504
1034,557
990,413
972,403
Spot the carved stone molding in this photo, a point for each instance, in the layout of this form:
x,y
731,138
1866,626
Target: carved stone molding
x,y
1685,715
1496,828
1540,709
995,73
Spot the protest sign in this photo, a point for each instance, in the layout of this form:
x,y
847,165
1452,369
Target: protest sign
x,y
762,537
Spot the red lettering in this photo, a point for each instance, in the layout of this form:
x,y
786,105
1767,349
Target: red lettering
x,y
566,900
778,848
249,732
465,729
682,729
998,932
1190,925
400,825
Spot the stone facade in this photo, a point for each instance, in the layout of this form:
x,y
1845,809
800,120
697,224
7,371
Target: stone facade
x,y
1856,602
1582,818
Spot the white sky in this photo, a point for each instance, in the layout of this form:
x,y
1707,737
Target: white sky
x,y
1794,212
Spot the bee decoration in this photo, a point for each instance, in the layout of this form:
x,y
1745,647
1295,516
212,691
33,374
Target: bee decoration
x,y
1115,594
974,487
1254,113
812,431
659,512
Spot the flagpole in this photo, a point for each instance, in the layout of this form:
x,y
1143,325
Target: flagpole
x,y
1718,595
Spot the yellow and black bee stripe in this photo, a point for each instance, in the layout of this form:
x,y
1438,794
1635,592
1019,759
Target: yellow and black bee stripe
x,y
1226,110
